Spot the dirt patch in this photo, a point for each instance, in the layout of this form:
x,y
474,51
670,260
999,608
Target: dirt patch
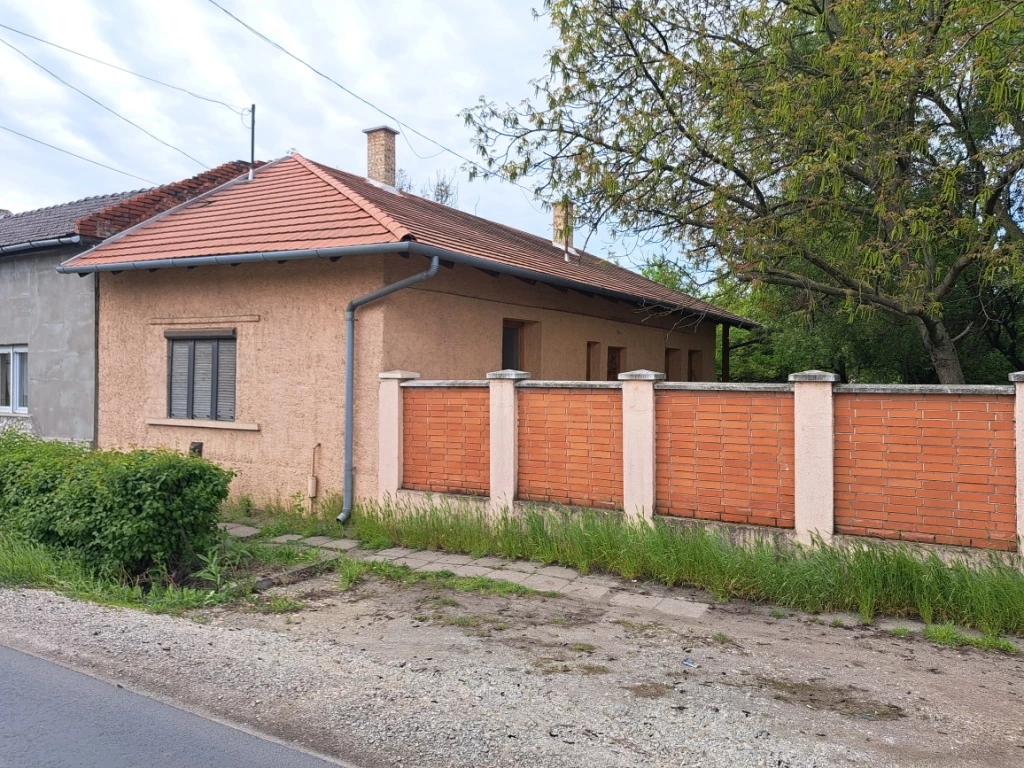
x,y
848,700
649,690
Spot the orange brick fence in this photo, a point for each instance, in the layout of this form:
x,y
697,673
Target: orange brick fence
x,y
917,463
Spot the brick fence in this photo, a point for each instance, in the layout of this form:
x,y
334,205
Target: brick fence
x,y
929,464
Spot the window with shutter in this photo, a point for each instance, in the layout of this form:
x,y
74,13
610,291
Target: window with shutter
x,y
226,380
201,377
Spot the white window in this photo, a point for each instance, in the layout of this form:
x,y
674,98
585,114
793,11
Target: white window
x,y
13,379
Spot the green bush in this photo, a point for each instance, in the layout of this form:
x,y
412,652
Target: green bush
x,y
135,513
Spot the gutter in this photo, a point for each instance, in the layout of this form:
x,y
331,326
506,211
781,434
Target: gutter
x,y
32,245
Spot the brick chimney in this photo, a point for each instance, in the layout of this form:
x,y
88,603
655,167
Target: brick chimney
x,y
380,154
561,224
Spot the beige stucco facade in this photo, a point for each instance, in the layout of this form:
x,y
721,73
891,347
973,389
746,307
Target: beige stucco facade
x,y
289,323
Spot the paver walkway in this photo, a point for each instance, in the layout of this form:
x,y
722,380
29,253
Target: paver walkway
x,y
544,578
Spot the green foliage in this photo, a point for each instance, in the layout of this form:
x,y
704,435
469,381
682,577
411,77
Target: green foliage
x,y
353,571
133,513
866,578
947,634
868,154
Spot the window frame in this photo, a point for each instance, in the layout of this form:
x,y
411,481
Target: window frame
x,y
15,350
191,337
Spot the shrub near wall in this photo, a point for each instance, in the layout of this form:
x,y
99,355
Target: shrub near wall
x,y
131,512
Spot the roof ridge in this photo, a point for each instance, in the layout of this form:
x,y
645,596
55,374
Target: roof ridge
x,y
385,220
124,196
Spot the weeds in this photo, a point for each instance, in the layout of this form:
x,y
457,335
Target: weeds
x,y
721,638
867,579
353,571
947,634
900,632
277,605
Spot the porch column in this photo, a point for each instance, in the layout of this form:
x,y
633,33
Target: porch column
x,y
638,443
814,454
504,430
389,433
1018,430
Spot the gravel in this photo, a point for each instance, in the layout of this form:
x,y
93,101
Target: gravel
x,y
381,676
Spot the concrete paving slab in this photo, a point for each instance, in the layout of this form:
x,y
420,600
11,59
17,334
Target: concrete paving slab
x,y
558,572
391,554
523,566
545,583
286,538
435,567
474,570
516,577
454,559
639,602
490,562
317,541
412,562
243,531
340,544
681,608
582,590
226,526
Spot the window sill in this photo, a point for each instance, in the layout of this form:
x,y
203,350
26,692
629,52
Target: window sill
x,y
16,414
204,424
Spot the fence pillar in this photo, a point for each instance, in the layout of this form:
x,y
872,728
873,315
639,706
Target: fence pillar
x,y
1018,431
814,454
638,443
389,433
504,431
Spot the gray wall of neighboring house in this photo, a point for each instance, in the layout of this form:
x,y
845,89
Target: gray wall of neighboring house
x,y
55,317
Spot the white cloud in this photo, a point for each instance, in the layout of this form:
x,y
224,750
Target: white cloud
x,y
419,60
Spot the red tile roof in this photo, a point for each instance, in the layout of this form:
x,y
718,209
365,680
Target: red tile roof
x,y
296,204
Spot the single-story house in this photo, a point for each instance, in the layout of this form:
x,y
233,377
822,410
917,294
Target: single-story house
x,y
223,323
48,322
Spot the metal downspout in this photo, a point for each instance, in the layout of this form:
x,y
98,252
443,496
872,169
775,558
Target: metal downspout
x,y
350,354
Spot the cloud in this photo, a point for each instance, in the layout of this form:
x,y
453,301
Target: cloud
x,y
420,61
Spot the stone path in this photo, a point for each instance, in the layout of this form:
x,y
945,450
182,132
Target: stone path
x,y
544,578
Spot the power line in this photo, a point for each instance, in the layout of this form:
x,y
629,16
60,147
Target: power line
x,y
236,110
80,157
101,104
356,96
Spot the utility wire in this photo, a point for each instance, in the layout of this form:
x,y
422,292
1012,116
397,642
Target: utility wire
x,y
356,96
236,110
101,104
80,157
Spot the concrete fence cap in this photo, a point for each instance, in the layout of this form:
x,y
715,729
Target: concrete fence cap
x,y
400,375
642,375
814,376
1017,376
508,373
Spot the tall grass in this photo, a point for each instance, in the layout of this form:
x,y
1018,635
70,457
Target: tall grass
x,y
865,578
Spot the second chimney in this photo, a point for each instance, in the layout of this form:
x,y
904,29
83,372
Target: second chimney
x,y
561,224
380,154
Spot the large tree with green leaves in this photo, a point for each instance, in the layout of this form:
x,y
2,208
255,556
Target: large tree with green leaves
x,y
867,151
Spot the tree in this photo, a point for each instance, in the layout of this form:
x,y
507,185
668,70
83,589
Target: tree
x,y
441,189
867,152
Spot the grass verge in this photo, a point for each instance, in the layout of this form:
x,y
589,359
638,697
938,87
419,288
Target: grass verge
x,y
947,634
866,578
226,575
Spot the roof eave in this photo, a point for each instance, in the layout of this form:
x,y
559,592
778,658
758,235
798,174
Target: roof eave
x,y
407,246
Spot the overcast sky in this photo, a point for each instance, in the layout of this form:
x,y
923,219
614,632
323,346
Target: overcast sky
x,y
419,60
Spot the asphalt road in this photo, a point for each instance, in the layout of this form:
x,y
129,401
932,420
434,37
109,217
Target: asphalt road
x,y
54,717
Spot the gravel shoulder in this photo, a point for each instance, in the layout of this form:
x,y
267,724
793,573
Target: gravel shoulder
x,y
386,674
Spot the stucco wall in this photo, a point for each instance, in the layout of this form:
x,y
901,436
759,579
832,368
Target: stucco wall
x,y
289,321
290,367
450,327
54,315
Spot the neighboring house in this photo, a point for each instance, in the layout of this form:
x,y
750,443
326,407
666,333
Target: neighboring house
x,y
223,322
47,321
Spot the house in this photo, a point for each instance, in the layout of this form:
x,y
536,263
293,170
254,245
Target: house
x,y
48,323
224,323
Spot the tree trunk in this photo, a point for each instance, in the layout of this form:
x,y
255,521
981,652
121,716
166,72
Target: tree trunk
x,y
941,349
